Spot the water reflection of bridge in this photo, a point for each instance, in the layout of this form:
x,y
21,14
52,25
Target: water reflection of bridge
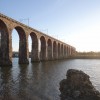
x,y
51,48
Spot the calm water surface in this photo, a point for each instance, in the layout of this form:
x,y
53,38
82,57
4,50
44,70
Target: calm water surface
x,y
40,81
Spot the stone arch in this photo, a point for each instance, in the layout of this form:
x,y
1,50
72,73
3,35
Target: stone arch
x,y
34,47
22,45
43,50
54,50
4,45
49,49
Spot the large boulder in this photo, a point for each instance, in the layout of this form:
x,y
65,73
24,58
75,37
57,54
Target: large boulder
x,y
77,86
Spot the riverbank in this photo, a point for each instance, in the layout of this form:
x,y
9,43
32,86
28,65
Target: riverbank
x,y
86,55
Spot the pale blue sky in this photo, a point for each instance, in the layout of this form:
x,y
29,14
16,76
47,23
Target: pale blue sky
x,y
76,22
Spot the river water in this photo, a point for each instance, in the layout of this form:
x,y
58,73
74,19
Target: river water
x,y
40,81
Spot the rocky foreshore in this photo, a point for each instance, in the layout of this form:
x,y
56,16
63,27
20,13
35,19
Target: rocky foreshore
x,y
77,86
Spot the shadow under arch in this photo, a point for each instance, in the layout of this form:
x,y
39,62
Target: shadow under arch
x,y
23,59
49,49
43,48
5,58
34,47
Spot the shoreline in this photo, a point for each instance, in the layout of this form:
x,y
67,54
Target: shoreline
x,y
84,57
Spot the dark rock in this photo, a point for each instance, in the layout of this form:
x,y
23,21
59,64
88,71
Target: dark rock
x,y
77,86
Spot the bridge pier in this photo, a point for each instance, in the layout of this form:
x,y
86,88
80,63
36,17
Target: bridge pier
x,y
23,59
61,51
55,52
35,53
64,53
5,60
49,50
5,50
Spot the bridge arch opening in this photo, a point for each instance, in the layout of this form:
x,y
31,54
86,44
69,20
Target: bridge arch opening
x,y
15,43
54,50
49,49
21,42
4,44
42,48
34,51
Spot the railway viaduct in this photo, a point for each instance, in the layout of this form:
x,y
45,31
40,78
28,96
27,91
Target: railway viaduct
x,y
50,48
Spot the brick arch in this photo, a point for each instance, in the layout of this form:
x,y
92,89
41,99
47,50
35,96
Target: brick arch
x,y
49,49
34,47
4,44
22,45
43,48
21,32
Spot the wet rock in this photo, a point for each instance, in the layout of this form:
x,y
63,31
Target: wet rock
x,y
77,86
